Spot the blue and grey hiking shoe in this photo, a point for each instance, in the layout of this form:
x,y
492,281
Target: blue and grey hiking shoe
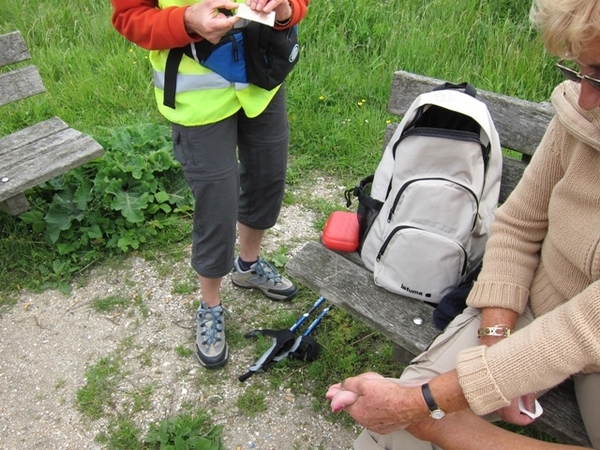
x,y
211,347
265,277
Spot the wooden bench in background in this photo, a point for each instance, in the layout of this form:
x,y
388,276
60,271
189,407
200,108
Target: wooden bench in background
x,y
40,152
344,281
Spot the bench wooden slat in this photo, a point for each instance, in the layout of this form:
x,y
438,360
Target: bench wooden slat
x,y
350,286
41,152
15,205
14,49
520,123
20,84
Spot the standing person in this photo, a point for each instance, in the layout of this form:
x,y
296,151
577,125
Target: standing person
x,y
534,312
211,117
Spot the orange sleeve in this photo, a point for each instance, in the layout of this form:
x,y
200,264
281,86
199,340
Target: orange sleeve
x,y
141,22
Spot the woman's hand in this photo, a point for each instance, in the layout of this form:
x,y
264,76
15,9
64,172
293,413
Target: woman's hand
x,y
377,403
205,19
282,8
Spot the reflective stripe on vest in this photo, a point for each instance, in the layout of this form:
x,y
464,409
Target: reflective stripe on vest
x,y
186,83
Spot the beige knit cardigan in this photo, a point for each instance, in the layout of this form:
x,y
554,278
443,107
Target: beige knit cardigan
x,y
544,250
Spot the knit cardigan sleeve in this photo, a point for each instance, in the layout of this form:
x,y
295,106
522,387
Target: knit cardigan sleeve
x,y
529,361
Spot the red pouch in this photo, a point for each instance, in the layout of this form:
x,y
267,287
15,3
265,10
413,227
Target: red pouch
x,y
341,232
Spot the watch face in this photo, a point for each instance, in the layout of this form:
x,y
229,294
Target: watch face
x,y
437,414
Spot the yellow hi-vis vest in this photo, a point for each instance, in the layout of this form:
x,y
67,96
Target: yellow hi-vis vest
x,y
202,96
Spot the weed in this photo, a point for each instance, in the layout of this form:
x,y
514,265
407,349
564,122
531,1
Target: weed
x,y
110,303
279,258
188,431
142,398
183,352
185,287
6,301
122,434
252,401
101,380
145,356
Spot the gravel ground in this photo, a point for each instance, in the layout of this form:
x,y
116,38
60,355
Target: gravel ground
x,y
49,340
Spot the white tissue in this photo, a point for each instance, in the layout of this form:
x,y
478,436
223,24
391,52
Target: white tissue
x,y
537,411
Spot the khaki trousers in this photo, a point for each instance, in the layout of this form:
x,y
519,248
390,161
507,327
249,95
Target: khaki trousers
x,y
440,357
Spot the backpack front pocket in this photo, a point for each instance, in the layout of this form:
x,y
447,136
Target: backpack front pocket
x,y
419,264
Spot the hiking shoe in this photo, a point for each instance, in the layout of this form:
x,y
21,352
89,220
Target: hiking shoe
x,y
265,277
211,347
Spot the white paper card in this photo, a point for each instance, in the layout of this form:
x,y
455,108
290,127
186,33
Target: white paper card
x,y
537,412
245,12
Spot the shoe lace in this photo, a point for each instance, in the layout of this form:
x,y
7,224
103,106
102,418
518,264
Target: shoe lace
x,y
211,333
265,269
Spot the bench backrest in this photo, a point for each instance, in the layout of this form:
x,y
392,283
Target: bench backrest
x,y
520,123
22,82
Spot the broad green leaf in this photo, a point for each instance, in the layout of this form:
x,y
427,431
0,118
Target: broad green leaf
x,y
131,206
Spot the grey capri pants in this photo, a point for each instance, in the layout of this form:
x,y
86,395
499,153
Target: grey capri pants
x,y
225,191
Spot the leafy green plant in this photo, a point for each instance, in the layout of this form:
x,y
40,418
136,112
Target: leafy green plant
x,y
118,201
135,194
185,432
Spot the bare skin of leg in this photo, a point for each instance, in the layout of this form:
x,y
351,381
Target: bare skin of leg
x,y
250,241
210,288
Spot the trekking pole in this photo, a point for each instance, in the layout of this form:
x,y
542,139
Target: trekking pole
x,y
283,340
305,347
305,316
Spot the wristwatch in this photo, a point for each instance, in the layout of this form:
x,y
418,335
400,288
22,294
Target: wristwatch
x,y
435,412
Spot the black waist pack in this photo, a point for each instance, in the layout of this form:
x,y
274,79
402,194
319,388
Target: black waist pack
x,y
270,54
256,54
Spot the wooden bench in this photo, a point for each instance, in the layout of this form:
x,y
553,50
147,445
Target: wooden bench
x,y
344,281
40,152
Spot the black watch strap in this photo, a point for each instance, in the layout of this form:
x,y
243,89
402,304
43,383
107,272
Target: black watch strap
x,y
431,404
435,412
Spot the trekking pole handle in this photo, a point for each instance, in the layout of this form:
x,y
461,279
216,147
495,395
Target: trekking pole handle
x,y
308,313
316,321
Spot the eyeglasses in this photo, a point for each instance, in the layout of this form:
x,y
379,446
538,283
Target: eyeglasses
x,y
575,76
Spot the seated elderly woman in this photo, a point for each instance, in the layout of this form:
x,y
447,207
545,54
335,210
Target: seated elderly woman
x,y
533,315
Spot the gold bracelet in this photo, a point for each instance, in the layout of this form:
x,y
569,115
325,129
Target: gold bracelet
x,y
500,330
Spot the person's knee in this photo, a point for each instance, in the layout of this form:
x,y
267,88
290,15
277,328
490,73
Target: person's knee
x,y
587,389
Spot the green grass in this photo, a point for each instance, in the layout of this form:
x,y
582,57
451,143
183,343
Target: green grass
x,y
252,401
101,380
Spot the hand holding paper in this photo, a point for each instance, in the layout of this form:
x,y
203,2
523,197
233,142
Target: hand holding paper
x,y
245,12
